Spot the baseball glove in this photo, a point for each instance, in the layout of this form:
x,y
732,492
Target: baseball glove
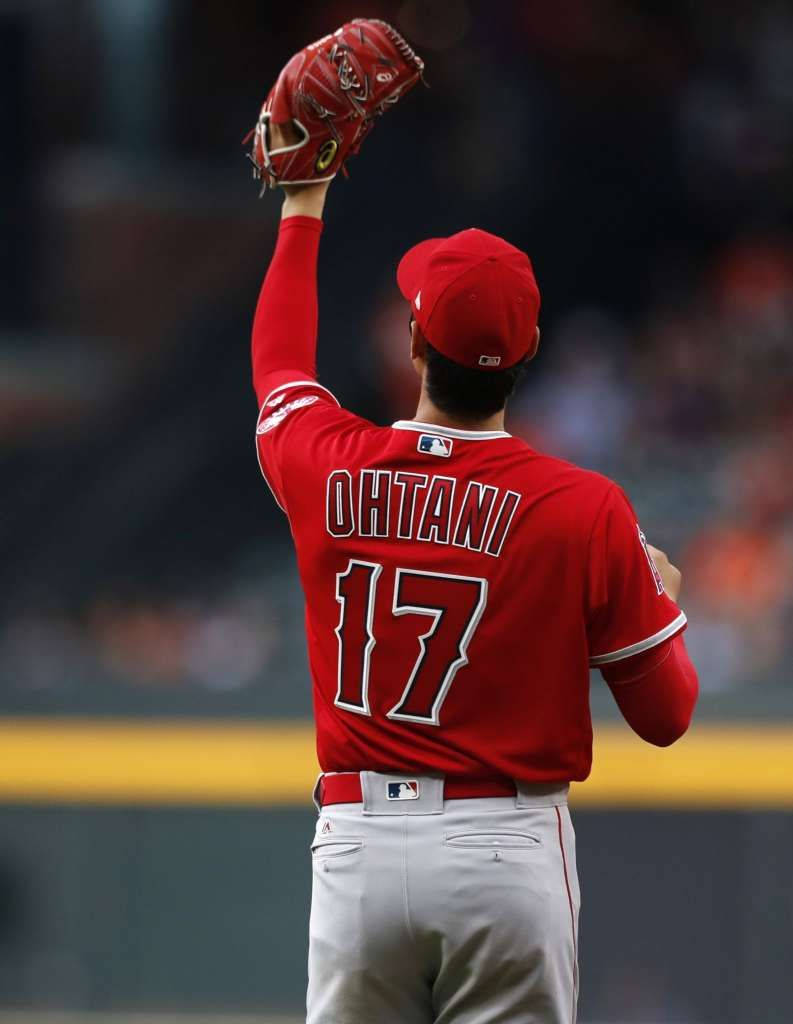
x,y
330,92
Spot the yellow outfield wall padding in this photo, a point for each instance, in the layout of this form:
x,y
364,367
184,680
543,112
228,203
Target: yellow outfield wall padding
x,y
154,762
99,761
713,765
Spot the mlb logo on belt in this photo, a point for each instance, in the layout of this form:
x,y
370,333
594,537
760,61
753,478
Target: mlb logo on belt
x,y
402,790
431,444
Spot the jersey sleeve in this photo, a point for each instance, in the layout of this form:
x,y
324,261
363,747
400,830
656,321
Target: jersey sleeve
x,y
628,610
298,419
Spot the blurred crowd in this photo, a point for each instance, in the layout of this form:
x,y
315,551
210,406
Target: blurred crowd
x,y
644,159
222,643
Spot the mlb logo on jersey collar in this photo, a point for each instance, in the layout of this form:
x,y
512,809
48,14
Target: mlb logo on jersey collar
x,y
402,790
431,444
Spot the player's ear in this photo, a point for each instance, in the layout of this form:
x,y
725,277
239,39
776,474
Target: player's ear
x,y
533,349
418,348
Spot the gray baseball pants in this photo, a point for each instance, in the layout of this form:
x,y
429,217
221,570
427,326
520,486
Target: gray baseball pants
x,y
427,911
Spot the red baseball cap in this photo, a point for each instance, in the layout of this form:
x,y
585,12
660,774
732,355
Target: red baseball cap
x,y
474,297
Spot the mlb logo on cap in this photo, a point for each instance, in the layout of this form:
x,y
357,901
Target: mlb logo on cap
x,y
402,790
431,444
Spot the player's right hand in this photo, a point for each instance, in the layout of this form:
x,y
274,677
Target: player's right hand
x,y
670,574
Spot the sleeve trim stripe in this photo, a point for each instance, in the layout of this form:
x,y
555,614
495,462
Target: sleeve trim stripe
x,y
295,384
642,645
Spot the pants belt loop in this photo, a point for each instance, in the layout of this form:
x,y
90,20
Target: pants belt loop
x,y
541,794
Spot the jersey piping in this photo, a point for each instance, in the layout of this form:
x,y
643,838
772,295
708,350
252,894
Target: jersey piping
x,y
282,387
642,645
465,435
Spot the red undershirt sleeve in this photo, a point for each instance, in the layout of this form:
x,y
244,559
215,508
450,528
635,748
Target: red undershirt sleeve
x,y
297,414
656,691
284,341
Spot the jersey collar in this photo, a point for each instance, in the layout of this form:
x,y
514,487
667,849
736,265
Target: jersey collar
x,y
433,428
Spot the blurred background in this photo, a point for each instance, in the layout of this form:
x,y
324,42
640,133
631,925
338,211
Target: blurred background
x,y
155,739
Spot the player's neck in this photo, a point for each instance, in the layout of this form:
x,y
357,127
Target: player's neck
x,y
428,412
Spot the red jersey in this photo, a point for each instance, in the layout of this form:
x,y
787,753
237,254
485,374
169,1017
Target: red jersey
x,y
458,586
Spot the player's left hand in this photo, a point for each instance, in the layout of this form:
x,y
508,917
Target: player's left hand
x,y
325,101
299,200
670,574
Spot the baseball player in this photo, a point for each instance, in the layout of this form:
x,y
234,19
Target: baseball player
x,y
459,585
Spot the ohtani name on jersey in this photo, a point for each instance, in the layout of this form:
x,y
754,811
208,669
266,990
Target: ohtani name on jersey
x,y
416,506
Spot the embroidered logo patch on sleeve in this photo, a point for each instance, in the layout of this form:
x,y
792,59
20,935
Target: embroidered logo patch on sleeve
x,y
280,415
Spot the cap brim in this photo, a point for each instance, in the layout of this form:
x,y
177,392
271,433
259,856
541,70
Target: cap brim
x,y
412,269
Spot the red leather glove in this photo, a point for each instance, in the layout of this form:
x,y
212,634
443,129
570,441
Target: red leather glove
x,y
330,92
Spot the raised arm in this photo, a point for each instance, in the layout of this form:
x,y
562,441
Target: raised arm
x,y
316,116
284,340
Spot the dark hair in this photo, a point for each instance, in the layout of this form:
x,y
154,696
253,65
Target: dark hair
x,y
465,393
